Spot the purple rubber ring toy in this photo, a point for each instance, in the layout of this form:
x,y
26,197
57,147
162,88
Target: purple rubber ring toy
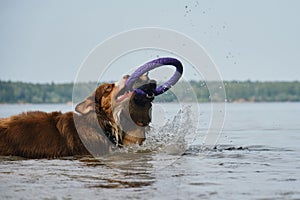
x,y
155,64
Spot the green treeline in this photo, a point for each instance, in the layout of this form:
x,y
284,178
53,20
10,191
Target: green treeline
x,y
236,91
19,92
263,91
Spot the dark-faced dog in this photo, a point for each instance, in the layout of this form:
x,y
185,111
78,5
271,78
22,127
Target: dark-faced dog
x,y
109,117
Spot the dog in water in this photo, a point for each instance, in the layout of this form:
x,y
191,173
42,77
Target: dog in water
x,y
109,117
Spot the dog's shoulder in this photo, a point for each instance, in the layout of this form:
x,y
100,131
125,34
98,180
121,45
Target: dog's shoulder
x,y
65,123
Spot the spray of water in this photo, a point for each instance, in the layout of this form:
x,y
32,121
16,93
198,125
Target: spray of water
x,y
172,138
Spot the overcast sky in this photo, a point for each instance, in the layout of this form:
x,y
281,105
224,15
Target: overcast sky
x,y
45,41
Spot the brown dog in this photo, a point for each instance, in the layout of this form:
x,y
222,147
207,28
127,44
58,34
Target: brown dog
x,y
109,117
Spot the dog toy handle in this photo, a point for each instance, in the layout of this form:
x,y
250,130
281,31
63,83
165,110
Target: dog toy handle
x,y
155,64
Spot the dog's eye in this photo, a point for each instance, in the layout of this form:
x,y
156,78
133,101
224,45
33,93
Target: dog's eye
x,y
108,88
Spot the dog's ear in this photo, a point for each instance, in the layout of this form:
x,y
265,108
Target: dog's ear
x,y
87,105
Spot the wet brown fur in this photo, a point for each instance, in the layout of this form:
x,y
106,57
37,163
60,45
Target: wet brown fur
x,y
40,135
50,135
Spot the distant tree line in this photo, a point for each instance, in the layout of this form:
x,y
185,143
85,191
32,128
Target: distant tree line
x,y
262,91
236,91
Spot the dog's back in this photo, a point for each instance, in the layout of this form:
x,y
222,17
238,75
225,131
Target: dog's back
x,y
40,135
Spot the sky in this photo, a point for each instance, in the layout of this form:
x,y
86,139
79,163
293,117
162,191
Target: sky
x,y
47,41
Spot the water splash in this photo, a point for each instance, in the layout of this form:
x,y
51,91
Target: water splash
x,y
172,138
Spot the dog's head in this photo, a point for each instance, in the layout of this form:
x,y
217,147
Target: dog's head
x,y
124,115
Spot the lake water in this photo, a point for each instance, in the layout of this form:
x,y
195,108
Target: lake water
x,y
257,157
